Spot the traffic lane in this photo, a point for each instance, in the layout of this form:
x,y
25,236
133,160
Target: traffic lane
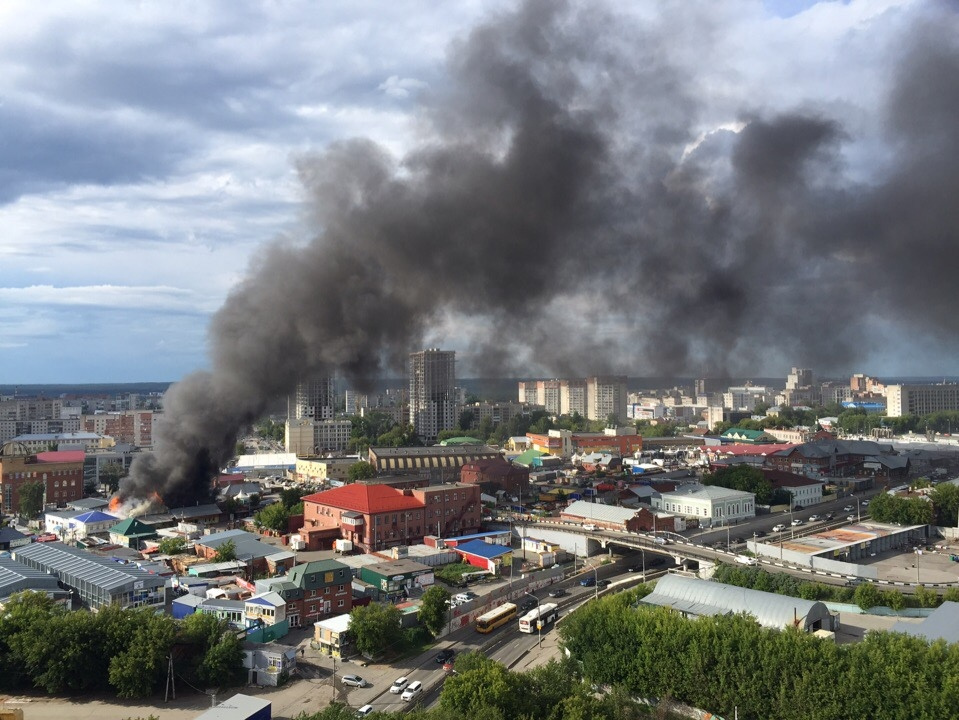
x,y
765,523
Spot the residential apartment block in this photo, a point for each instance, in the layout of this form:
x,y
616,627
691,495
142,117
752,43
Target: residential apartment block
x,y
432,392
921,399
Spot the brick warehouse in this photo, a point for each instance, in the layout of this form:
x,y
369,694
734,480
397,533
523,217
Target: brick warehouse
x,y
376,517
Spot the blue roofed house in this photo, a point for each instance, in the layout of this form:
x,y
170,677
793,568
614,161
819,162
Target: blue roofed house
x,y
487,556
78,524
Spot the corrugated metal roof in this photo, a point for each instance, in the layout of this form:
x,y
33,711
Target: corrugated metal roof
x,y
942,624
64,560
599,512
704,597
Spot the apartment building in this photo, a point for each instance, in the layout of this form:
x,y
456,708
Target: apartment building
x,y
432,392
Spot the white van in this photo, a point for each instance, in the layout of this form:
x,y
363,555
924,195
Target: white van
x,y
412,690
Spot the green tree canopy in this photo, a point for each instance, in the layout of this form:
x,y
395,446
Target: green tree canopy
x,y
360,471
172,546
945,500
375,628
273,517
742,477
226,552
434,608
31,499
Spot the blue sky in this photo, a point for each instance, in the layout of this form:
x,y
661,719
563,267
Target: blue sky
x,y
148,150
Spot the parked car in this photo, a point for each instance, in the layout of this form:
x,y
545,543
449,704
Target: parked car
x,y
588,582
829,516
848,508
399,685
851,518
602,583
527,604
779,528
590,527
738,541
364,711
448,666
865,502
760,533
814,518
796,522
443,655
354,681
558,592
412,690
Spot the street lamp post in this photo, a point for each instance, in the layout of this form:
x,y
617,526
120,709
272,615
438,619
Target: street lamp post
x,y
918,552
334,678
858,515
595,583
539,618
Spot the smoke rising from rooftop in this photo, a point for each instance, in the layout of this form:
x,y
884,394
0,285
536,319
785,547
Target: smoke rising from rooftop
x,y
566,214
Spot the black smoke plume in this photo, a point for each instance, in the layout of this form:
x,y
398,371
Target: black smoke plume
x,y
565,214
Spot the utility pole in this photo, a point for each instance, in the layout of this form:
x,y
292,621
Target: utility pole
x,y
170,680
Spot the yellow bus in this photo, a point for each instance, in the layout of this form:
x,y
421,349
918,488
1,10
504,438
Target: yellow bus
x,y
488,622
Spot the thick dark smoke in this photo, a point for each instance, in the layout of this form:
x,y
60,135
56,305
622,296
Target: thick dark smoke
x,y
563,213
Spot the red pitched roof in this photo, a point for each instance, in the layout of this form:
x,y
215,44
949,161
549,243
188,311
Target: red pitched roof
x,y
366,499
61,456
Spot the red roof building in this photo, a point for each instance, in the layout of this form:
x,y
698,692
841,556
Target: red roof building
x,y
376,517
60,472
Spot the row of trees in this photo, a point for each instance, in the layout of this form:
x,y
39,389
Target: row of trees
x,y
747,479
728,664
45,647
905,511
483,689
376,630
851,420
866,595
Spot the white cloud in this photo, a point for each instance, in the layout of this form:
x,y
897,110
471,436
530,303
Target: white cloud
x,y
398,87
149,145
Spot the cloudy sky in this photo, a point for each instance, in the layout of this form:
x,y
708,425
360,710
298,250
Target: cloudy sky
x,y
154,155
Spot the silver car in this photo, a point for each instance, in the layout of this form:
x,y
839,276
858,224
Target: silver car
x,y
354,681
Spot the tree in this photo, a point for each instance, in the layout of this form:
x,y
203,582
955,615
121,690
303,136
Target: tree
x,y
945,500
111,475
222,663
172,546
480,682
31,499
375,628
360,471
240,449
273,517
742,477
136,671
434,608
291,497
867,596
226,552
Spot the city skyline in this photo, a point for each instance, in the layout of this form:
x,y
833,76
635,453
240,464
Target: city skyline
x,y
740,186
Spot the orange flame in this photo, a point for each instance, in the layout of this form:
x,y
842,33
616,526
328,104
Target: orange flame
x,y
155,496
115,503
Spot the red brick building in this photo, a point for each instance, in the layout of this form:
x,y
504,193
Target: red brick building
x,y
376,517
60,472
130,426
496,474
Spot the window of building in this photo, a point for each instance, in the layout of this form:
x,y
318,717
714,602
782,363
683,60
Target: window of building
x,y
341,603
